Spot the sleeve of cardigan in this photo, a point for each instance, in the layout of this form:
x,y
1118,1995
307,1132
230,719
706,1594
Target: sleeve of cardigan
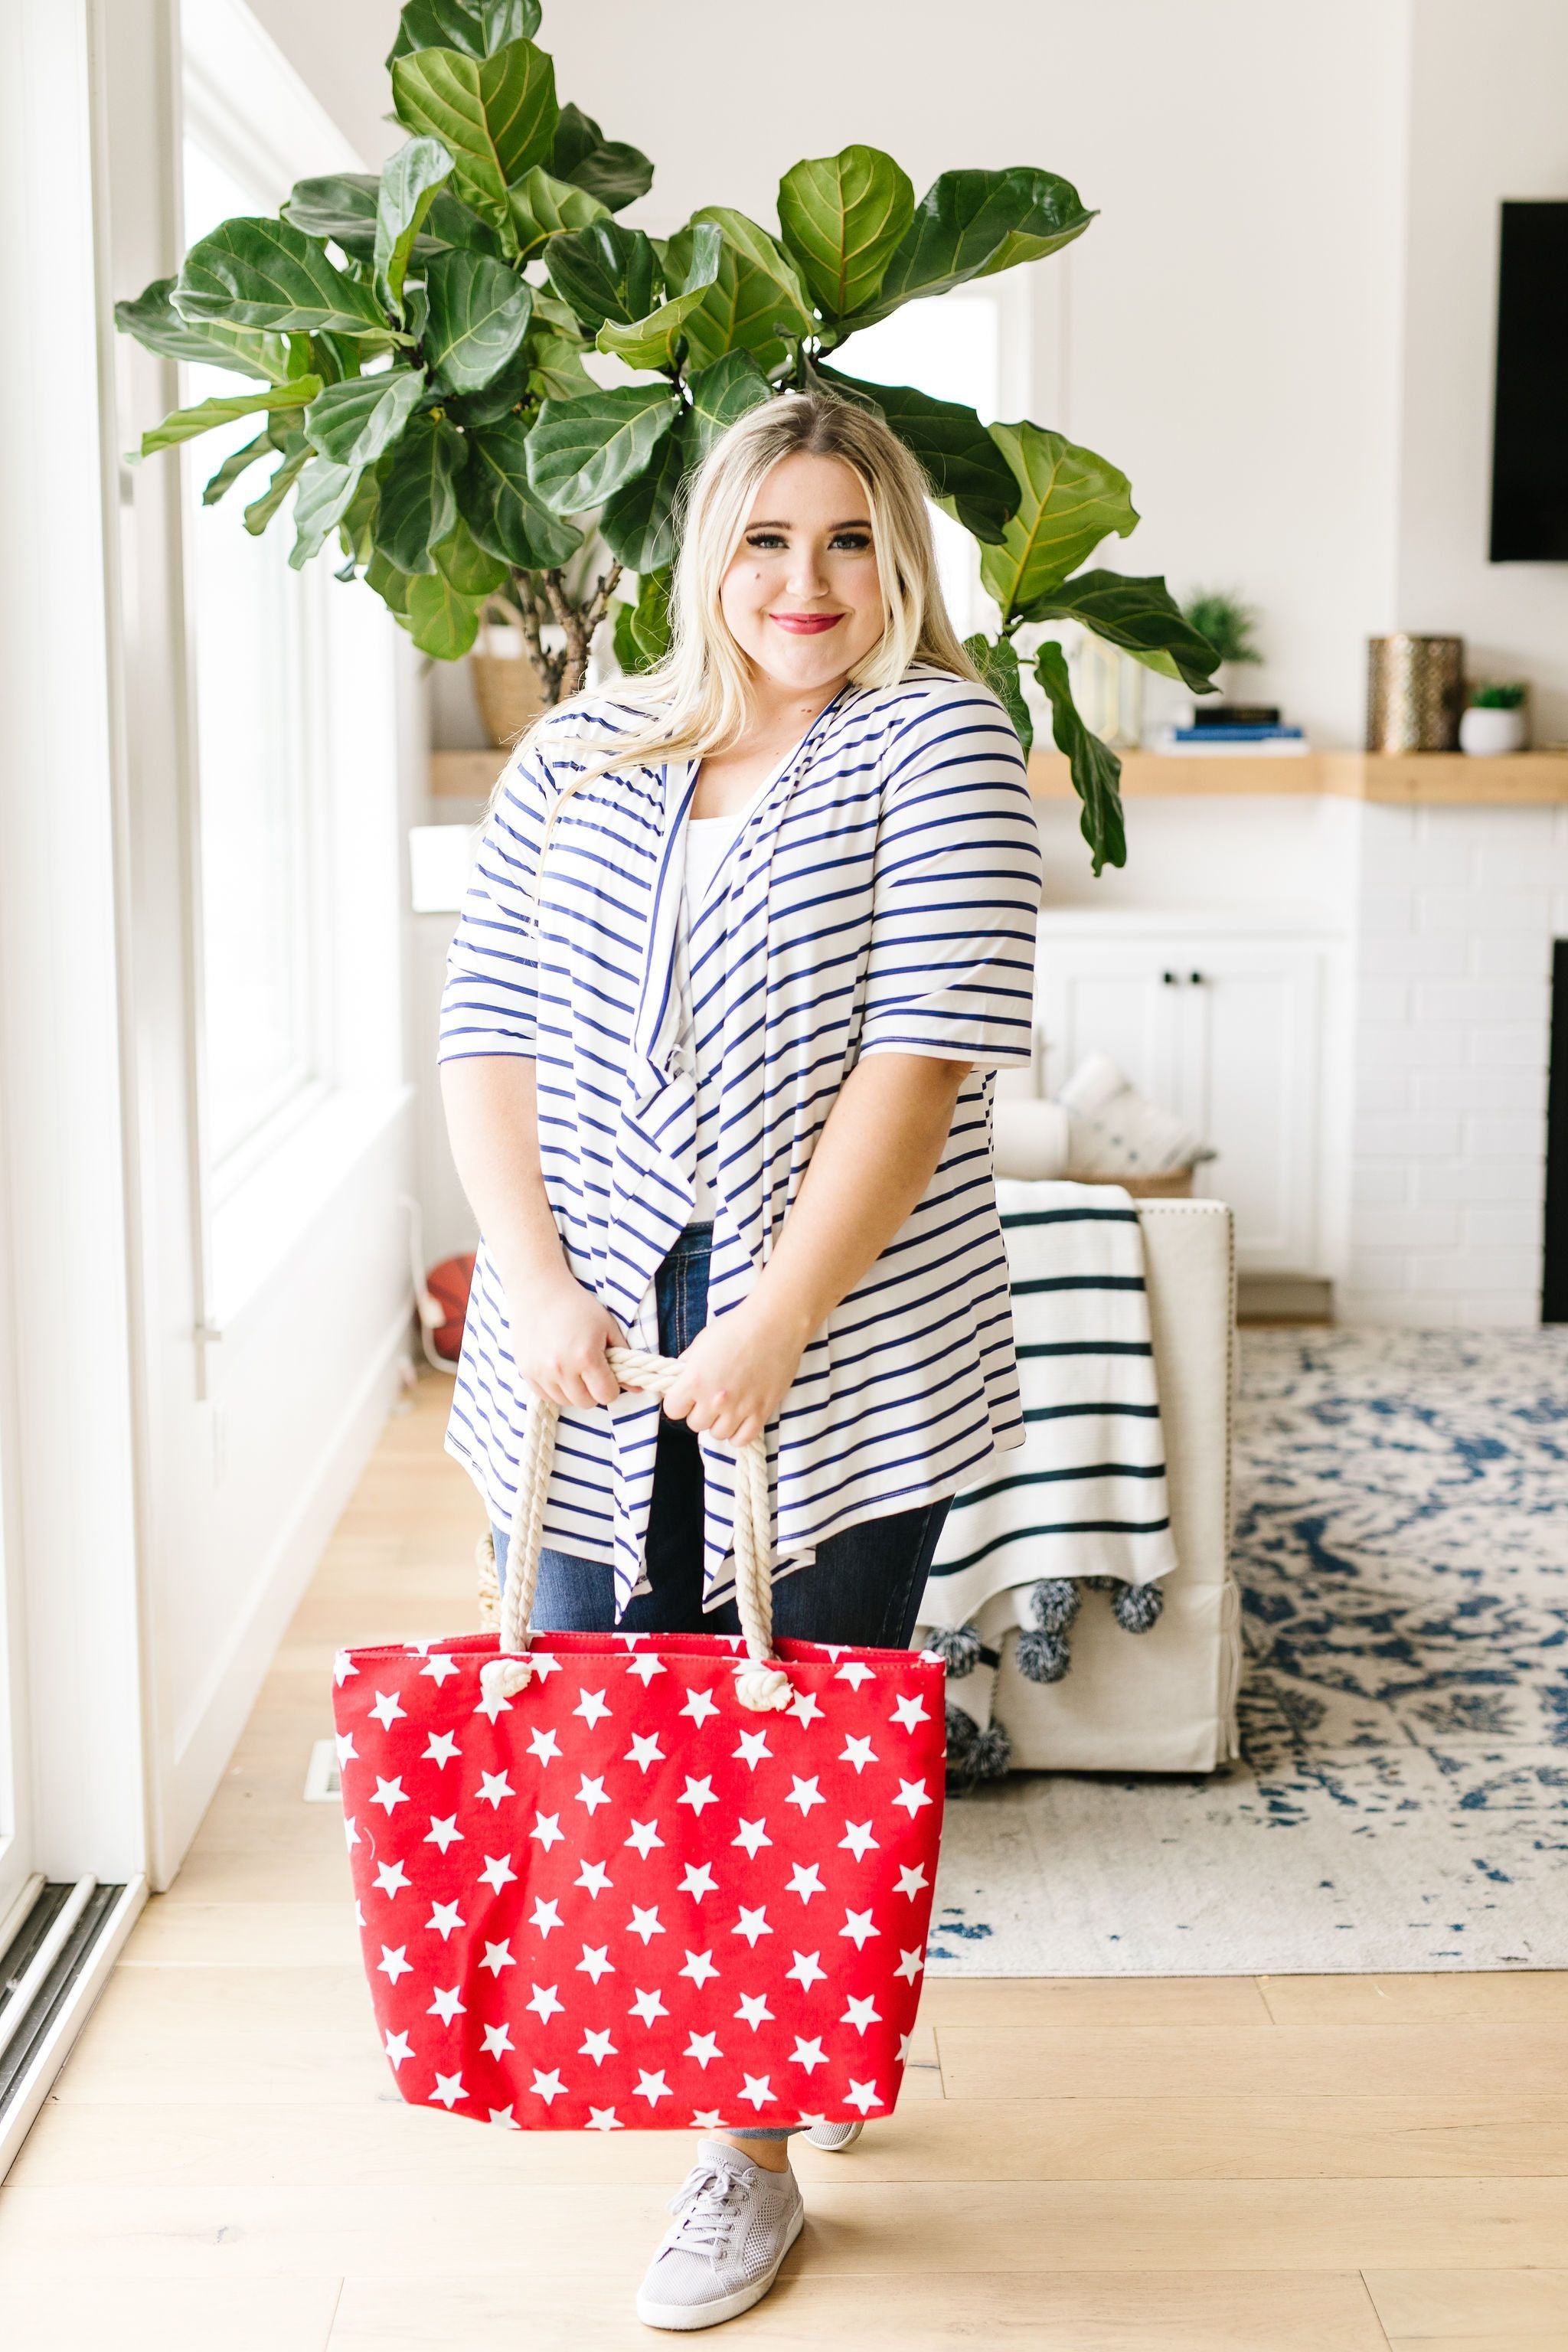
x,y
490,1000
956,889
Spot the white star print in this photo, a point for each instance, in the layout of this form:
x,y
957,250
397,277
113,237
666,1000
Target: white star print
x,y
835,1649
350,1833
594,1878
697,1794
751,1925
498,1871
805,1880
544,1665
752,1834
862,2095
652,2088
644,1750
860,2014
444,1834
753,2010
595,1962
497,1957
645,1924
389,1793
911,1878
390,1877
498,2041
548,2087
544,2004
808,2055
759,2089
545,1745
858,1924
393,1964
444,1920
805,1793
645,1667
647,2006
805,1971
908,1712
909,1966
493,1787
547,1829
700,1967
598,2047
398,2048
590,1707
854,1673
644,1836
904,2041
592,1794
804,1707
437,1668
345,1744
491,1704
441,1749
449,2090
546,1915
856,1837
911,1796
709,2119
859,1752
699,1880
359,1914
505,2118
699,1706
703,2047
386,1709
342,1667
446,2003
603,2119
754,1747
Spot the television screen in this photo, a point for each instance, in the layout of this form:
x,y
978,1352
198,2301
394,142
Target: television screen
x,y
1530,413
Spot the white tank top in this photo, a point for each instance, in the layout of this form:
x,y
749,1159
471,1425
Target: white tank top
x,y
707,840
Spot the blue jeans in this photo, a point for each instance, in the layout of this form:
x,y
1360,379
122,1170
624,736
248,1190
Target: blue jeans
x,y
863,1588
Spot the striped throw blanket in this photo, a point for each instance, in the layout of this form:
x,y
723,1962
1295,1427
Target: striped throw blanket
x,y
1085,1494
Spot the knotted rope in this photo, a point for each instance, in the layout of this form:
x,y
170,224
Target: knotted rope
x,y
761,1684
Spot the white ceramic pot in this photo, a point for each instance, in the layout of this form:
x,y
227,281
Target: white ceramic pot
x,y
1488,734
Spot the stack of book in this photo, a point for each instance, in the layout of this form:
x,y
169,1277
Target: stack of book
x,y
1249,729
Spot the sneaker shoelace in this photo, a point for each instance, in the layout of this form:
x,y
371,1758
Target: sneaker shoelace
x,y
705,2223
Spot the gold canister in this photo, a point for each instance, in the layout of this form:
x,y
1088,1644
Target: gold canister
x,y
1414,693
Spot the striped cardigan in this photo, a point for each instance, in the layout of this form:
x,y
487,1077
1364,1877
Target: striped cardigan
x,y
880,898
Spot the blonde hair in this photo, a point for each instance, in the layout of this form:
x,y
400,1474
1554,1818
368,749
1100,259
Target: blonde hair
x,y
697,699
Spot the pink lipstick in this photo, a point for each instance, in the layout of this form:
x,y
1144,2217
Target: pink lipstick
x,y
806,625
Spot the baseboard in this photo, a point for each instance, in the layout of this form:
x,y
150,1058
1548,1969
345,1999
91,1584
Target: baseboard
x,y
1284,1298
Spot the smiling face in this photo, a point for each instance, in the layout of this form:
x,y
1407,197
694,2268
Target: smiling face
x,y
802,596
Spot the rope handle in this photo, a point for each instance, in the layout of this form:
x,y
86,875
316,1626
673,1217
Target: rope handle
x,y
762,1684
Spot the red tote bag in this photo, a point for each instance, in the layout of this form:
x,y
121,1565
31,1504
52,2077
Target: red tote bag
x,y
613,1881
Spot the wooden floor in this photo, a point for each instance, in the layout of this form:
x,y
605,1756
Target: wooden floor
x,y
1233,2165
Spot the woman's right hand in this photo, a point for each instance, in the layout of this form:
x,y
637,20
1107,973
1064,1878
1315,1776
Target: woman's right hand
x,y
559,1335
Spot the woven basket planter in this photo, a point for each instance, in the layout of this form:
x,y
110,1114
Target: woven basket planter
x,y
506,690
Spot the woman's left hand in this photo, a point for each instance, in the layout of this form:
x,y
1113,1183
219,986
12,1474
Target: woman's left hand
x,y
735,1374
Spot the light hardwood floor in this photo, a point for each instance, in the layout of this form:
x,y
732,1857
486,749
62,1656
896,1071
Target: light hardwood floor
x,y
1231,2165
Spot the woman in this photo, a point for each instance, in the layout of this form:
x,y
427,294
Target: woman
x,y
746,939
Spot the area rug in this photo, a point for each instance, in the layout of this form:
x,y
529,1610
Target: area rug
x,y
1402,1798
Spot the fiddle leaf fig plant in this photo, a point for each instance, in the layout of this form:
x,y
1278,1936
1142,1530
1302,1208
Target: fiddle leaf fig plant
x,y
488,389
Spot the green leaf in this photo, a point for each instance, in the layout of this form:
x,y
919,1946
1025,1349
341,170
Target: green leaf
x,y
268,273
557,372
642,630
340,206
1095,771
418,501
238,462
296,456
325,491
356,525
757,292
972,224
967,471
842,216
604,272
606,168
501,506
997,662
544,206
408,187
1139,614
451,222
442,622
638,523
718,395
581,451
352,423
1070,499
472,570
186,424
477,27
494,115
478,315
390,584
651,342
152,319
504,393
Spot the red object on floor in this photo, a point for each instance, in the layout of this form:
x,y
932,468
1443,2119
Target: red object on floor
x,y
619,1899
449,1285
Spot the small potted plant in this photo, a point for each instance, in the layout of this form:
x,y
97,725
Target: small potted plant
x,y
1495,722
1228,625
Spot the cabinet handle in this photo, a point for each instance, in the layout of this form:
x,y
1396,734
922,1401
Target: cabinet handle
x,y
1168,978
1196,978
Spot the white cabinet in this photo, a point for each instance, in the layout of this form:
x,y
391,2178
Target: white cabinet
x,y
1224,1029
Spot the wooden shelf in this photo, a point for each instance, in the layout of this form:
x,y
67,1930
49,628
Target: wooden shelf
x,y
464,775
1523,780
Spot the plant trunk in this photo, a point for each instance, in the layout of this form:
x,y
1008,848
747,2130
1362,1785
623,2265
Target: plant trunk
x,y
542,601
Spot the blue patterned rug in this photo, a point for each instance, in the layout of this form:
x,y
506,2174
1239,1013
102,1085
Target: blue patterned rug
x,y
1402,1798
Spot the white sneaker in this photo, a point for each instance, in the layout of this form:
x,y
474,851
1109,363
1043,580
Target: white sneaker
x,y
735,2224
834,2136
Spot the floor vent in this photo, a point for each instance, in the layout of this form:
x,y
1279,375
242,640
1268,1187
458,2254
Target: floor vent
x,y
322,1784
